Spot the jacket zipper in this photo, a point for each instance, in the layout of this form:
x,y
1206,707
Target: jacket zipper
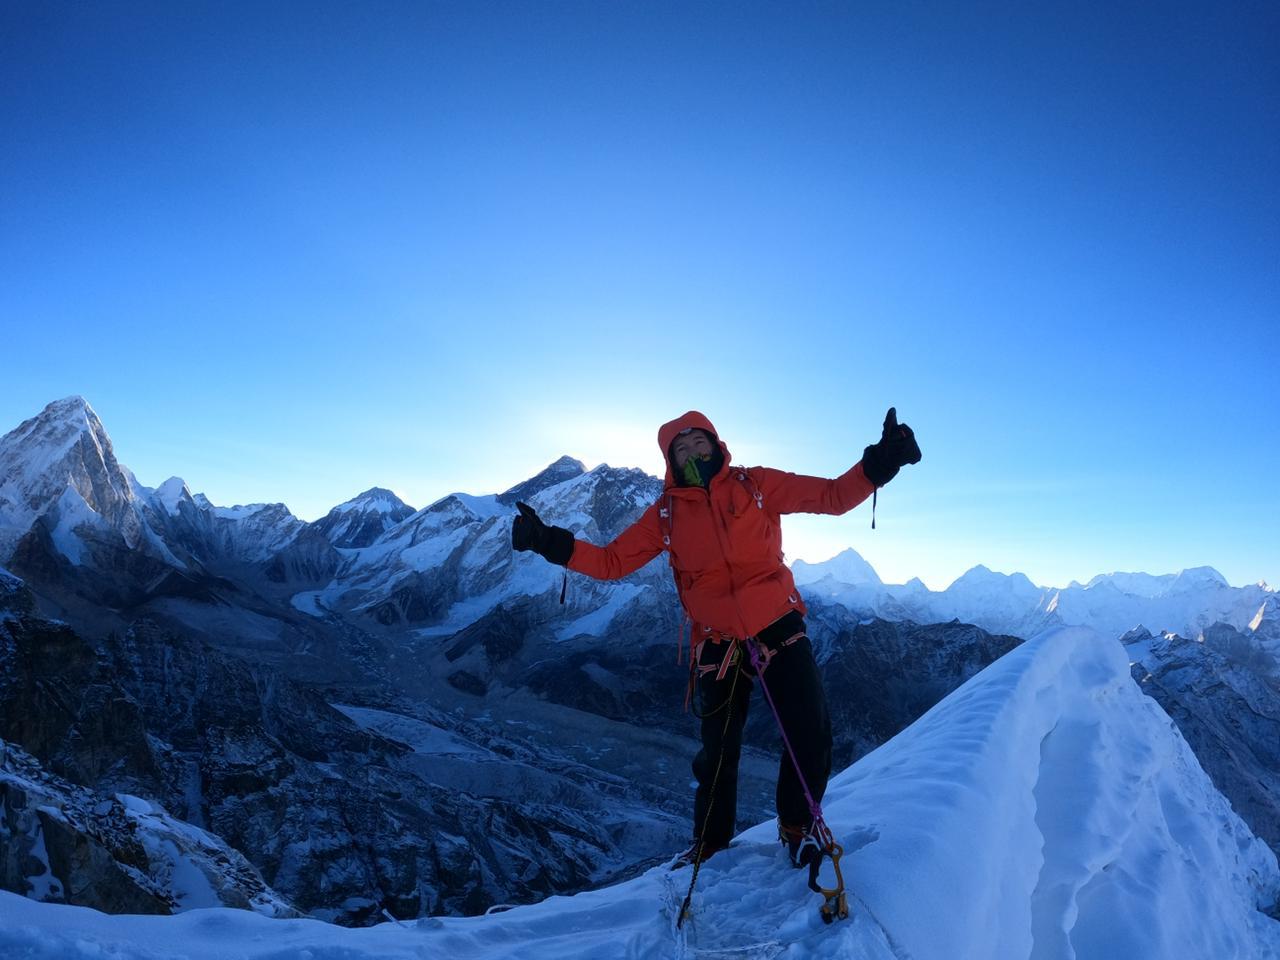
x,y
722,534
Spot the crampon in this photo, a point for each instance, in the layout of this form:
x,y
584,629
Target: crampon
x,y
835,901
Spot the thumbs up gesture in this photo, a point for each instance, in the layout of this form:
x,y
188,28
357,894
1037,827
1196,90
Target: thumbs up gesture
x,y
896,448
528,532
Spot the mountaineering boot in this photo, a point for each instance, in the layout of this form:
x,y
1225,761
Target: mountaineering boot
x,y
690,856
801,845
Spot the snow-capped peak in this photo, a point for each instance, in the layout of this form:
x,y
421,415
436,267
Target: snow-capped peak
x,y
170,493
364,518
65,445
377,499
982,577
978,573
38,444
73,409
847,567
1194,578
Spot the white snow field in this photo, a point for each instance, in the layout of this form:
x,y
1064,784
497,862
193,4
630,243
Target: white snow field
x,y
1047,809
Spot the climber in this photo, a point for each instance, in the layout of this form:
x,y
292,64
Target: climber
x,y
720,526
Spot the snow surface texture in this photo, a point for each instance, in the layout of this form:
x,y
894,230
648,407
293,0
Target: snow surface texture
x,y
1045,810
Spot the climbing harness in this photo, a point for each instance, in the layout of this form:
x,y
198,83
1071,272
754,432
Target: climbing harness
x,y
731,659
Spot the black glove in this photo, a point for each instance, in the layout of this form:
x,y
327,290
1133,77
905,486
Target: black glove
x,y
897,447
530,533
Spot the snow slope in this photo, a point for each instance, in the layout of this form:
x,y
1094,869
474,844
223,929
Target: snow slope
x,y
1046,809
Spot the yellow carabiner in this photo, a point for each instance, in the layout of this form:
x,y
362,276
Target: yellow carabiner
x,y
835,903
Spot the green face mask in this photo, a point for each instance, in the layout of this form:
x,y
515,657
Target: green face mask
x,y
692,478
698,471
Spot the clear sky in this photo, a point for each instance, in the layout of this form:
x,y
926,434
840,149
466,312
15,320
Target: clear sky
x,y
289,252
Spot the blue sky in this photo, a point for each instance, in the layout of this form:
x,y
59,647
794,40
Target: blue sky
x,y
289,252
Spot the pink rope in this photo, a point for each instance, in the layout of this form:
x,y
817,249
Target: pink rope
x,y
814,808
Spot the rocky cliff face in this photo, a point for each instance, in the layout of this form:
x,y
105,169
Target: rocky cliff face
x,y
343,821
63,843
1222,692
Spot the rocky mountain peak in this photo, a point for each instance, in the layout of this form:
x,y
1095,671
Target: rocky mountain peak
x,y
64,447
1136,635
364,518
566,468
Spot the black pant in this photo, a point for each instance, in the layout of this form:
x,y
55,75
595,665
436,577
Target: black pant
x,y
796,686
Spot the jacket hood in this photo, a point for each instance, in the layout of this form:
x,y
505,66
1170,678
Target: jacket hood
x,y
668,432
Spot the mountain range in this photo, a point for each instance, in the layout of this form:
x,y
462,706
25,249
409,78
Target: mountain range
x,y
389,710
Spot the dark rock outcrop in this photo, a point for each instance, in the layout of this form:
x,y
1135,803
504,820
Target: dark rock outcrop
x,y
1221,693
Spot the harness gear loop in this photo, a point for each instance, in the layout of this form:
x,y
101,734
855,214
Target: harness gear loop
x,y
732,658
711,797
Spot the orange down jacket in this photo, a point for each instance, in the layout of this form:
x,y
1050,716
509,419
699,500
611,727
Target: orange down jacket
x,y
725,542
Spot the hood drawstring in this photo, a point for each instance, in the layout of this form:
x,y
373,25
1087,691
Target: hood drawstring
x,y
564,585
873,507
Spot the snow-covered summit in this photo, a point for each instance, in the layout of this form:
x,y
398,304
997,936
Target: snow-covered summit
x,y
1194,578
171,493
1047,808
847,566
63,449
361,520
375,499
981,577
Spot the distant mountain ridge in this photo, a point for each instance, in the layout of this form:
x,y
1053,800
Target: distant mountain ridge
x,y
58,473
1187,602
